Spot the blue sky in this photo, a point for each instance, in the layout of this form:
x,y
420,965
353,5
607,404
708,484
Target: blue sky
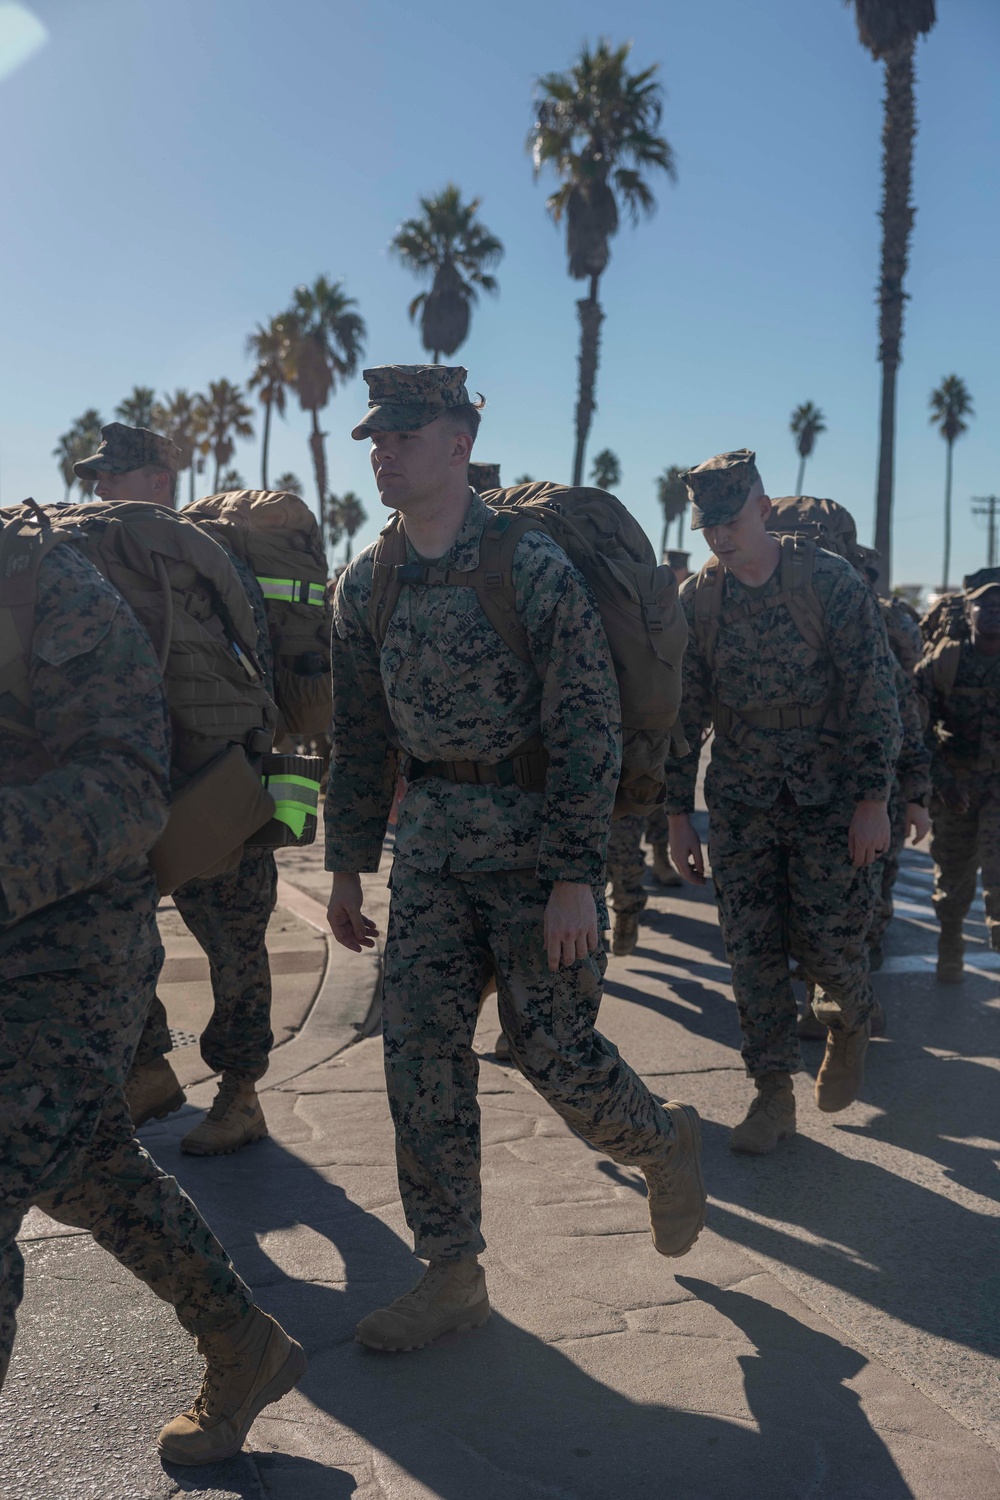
x,y
171,169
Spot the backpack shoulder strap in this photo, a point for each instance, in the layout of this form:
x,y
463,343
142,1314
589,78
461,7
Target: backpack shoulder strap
x,y
944,665
389,554
708,587
798,557
493,580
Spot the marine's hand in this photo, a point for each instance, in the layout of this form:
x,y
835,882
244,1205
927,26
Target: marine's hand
x,y
685,849
918,822
570,928
869,834
348,925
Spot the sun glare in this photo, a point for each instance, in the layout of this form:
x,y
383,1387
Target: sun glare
x,y
21,36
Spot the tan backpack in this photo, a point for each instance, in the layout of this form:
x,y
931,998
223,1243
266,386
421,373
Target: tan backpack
x,y
185,591
278,537
637,599
825,522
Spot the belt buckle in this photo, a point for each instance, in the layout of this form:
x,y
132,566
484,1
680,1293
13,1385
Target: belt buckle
x,y
505,773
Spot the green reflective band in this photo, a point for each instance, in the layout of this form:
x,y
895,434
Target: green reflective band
x,y
293,591
295,799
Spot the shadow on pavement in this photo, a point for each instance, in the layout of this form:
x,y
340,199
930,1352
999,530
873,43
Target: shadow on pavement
x,y
913,1253
501,1413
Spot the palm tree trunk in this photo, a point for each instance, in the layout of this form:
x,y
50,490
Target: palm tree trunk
x,y
437,357
898,130
663,539
265,444
191,483
591,318
946,569
802,474
218,472
318,452
680,529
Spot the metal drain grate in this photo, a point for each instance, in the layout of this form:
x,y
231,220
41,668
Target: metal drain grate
x,y
183,1038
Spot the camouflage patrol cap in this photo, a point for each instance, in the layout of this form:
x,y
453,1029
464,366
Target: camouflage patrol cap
x,y
402,398
718,488
123,448
976,584
484,476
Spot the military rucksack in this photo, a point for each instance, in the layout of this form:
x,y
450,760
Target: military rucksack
x,y
637,600
825,522
278,537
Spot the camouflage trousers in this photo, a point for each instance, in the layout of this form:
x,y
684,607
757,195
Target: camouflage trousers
x,y
228,914
67,1146
627,865
787,889
448,934
627,858
885,885
962,845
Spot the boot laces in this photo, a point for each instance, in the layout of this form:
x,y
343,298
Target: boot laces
x,y
229,1087
767,1100
430,1283
210,1400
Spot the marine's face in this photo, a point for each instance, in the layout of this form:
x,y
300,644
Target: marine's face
x,y
409,466
739,542
145,486
984,614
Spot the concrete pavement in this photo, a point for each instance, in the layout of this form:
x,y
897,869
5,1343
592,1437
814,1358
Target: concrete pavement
x,y
833,1334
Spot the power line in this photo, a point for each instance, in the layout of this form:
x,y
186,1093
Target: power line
x,y
986,505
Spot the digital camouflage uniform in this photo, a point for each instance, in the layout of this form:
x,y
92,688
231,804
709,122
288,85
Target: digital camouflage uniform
x,y
627,858
781,800
80,804
912,782
229,914
474,864
964,735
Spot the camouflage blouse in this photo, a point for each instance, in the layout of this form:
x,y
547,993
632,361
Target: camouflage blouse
x,y
450,689
762,661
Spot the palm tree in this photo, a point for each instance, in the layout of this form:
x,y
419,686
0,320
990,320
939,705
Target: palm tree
x,y
232,479
78,443
138,407
889,29
270,346
606,471
328,339
181,418
951,403
806,425
352,516
596,127
447,242
671,491
289,482
225,416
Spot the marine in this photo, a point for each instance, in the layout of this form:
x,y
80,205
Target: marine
x,y
959,680
228,913
788,661
84,791
499,859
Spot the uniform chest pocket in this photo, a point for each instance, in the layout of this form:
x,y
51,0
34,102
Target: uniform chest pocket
x,y
470,644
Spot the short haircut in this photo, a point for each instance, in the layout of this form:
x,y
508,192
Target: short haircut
x,y
466,418
162,469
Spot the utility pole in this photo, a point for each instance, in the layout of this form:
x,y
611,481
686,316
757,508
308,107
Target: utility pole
x,y
986,505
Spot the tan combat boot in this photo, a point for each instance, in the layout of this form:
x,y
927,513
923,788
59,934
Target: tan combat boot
x,y
450,1297
677,1187
234,1120
842,1071
247,1367
626,934
663,871
810,1027
951,950
152,1092
770,1118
